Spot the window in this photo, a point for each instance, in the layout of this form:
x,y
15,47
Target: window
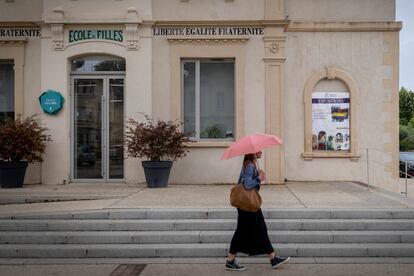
x,y
6,90
208,98
94,64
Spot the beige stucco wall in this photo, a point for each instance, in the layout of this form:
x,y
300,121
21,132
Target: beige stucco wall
x,y
207,10
361,55
101,10
32,91
21,11
340,10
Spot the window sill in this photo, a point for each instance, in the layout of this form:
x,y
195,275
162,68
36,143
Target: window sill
x,y
213,144
308,156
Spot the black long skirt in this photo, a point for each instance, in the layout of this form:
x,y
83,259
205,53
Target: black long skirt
x,y
251,234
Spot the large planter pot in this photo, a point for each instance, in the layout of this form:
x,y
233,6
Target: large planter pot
x,y
12,174
157,173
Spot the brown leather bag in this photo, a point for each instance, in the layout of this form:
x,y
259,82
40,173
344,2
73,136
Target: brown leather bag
x,y
246,200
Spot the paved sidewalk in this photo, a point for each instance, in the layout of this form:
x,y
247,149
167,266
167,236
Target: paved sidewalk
x,y
90,196
209,269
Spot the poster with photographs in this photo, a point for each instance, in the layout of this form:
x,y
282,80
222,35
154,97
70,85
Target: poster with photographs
x,y
330,121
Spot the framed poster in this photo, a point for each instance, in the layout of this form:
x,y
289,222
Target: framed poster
x,y
330,121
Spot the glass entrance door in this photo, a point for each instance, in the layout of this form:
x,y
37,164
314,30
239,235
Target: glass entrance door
x,y
98,128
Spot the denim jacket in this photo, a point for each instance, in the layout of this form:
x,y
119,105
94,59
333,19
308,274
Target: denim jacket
x,y
250,177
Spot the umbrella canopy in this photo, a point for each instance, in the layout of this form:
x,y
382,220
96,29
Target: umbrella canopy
x,y
251,144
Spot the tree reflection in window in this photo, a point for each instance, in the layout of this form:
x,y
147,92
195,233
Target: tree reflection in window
x,y
97,64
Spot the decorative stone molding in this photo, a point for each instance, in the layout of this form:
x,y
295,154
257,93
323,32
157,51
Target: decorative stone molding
x,y
132,13
131,29
274,46
132,21
132,38
58,13
332,73
57,37
58,17
13,41
210,40
344,26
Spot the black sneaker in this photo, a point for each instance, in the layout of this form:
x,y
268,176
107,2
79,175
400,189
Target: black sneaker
x,y
277,261
234,266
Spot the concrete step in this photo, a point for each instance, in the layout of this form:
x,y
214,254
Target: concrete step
x,y
198,250
203,224
169,237
222,213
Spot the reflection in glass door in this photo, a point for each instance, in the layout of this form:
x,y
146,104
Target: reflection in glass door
x,y
88,128
98,128
116,128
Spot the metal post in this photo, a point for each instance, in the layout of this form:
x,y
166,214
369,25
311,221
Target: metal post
x,y
367,169
406,178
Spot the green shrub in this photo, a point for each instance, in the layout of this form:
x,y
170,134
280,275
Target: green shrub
x,y
156,141
406,138
23,139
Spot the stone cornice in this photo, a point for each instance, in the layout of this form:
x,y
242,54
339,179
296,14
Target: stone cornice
x,y
88,21
31,24
13,40
58,16
257,23
391,26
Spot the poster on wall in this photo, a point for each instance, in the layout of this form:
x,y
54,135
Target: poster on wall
x,y
330,121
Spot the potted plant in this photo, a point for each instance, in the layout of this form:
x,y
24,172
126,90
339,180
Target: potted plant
x,y
159,143
22,141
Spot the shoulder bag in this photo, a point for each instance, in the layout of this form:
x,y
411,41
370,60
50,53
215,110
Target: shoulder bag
x,y
243,199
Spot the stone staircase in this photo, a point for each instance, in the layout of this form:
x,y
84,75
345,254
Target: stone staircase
x,y
135,233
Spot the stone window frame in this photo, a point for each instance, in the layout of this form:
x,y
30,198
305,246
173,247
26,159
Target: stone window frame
x,y
332,73
13,49
207,49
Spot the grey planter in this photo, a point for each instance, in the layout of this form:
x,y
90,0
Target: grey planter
x,y
157,173
12,173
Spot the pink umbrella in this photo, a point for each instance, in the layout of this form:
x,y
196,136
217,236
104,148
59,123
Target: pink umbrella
x,y
251,144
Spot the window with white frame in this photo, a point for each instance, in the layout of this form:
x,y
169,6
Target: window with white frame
x,y
208,98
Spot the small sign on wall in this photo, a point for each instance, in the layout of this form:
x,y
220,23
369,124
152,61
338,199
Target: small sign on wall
x,y
51,101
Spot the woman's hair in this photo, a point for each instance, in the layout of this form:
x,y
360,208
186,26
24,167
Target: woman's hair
x,y
249,157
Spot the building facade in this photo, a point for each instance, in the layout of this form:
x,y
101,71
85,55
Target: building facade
x,y
320,74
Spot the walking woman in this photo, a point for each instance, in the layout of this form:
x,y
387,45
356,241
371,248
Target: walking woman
x,y
251,235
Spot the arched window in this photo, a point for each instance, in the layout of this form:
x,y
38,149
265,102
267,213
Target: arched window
x,y
331,100
97,64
